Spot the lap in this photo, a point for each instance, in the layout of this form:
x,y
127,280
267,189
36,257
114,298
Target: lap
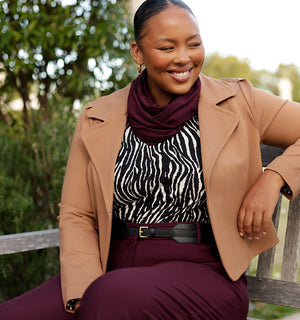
x,y
169,290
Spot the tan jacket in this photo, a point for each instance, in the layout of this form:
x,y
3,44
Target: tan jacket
x,y
234,118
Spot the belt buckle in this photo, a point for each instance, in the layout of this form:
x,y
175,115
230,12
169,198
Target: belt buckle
x,y
141,230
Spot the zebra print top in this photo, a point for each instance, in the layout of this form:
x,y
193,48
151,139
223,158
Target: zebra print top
x,y
162,182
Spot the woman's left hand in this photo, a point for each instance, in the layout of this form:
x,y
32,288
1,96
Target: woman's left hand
x,y
255,215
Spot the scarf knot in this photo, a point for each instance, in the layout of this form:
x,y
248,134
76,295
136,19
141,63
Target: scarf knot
x,y
153,123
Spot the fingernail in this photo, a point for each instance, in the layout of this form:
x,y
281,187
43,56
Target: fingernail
x,y
250,238
264,233
257,237
241,234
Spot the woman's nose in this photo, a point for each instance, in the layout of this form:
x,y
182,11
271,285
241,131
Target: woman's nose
x,y
182,56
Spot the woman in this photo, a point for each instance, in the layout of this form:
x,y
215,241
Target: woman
x,y
159,220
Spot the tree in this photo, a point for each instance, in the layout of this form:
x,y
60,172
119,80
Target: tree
x,y
225,67
71,51
292,72
218,66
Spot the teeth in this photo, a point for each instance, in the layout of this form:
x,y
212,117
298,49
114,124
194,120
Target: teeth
x,y
180,74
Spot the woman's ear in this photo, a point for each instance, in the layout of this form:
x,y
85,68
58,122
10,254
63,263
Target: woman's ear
x,y
136,53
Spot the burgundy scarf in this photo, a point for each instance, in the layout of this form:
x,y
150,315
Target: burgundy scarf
x,y
153,123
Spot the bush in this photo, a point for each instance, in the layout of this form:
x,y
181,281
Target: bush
x,y
32,166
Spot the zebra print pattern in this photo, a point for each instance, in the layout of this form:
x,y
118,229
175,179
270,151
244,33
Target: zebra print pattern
x,y
162,182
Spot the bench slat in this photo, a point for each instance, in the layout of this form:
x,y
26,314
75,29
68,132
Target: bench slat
x,y
266,259
284,293
291,251
27,241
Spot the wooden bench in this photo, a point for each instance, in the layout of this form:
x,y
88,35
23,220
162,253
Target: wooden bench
x,y
262,287
286,291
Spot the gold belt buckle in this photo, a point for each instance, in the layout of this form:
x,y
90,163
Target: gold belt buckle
x,y
141,230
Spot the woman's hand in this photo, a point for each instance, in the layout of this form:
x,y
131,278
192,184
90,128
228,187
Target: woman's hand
x,y
255,215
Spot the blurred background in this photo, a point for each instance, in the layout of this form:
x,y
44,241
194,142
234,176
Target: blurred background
x,y
55,55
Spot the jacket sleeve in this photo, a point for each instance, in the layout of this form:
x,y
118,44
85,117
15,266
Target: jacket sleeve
x,y
279,123
79,243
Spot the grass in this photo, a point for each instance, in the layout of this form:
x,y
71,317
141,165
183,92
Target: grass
x,y
268,311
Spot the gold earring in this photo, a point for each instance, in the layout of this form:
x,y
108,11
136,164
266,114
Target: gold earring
x,y
139,68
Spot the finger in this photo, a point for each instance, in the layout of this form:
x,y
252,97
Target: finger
x,y
241,217
266,222
248,221
257,225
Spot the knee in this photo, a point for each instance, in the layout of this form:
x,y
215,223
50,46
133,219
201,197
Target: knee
x,y
111,296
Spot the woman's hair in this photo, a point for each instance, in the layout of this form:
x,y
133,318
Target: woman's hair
x,y
149,9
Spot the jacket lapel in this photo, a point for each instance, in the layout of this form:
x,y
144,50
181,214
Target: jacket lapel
x,y
103,138
216,124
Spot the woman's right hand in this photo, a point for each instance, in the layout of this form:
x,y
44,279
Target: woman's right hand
x,y
255,215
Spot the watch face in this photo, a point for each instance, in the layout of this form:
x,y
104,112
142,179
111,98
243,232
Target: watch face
x,y
71,304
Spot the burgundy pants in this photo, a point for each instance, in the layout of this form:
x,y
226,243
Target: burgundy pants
x,y
147,279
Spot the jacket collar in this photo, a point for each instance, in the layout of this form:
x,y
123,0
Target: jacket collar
x,y
108,107
215,90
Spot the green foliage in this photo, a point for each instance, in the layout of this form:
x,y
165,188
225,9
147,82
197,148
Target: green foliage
x,y
32,168
292,73
32,165
228,67
218,66
269,311
21,272
72,51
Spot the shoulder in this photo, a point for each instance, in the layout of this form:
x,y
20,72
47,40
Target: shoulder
x,y
227,83
238,88
217,90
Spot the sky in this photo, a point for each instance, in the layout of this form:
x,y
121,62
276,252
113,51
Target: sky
x,y
264,31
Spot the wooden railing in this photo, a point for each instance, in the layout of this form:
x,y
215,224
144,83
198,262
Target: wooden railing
x,y
21,242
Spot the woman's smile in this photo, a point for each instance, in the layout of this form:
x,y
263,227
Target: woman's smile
x,y
181,76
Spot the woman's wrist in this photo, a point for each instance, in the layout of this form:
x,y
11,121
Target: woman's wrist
x,y
275,179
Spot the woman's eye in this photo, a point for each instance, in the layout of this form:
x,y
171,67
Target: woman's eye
x,y
198,44
166,48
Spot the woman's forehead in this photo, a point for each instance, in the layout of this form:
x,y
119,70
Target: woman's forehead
x,y
171,22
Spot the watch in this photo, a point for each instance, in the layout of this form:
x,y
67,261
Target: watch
x,y
287,190
71,304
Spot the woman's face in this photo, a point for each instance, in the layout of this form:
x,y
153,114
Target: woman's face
x,y
172,51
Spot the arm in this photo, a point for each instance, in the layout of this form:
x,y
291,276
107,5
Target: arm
x,y
79,243
279,124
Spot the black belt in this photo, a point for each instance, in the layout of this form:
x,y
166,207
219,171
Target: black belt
x,y
181,232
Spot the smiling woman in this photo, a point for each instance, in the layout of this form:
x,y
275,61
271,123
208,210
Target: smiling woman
x,y
164,201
